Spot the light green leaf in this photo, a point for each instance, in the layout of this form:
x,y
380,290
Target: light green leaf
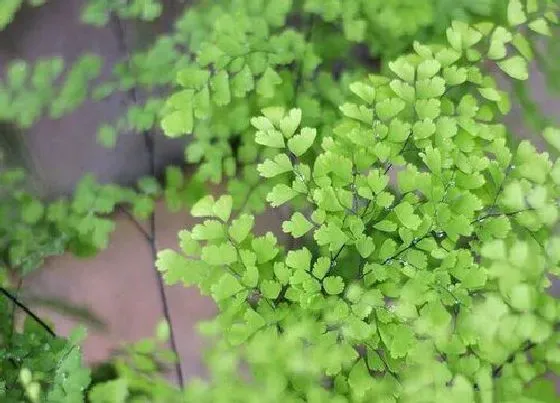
x,y
330,234
227,286
270,289
552,136
240,227
290,122
428,69
360,380
208,230
333,285
403,69
423,129
515,13
364,91
220,88
270,138
204,207
298,226
178,123
280,194
389,108
243,82
162,331
251,277
405,214
322,266
107,136
299,259
265,247
515,67
113,391
218,255
277,166
365,246
300,143
267,83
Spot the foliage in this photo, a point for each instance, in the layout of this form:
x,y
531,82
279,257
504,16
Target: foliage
x,y
427,285
416,257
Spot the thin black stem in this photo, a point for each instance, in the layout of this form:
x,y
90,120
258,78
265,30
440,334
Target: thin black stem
x,y
13,316
28,311
136,223
150,235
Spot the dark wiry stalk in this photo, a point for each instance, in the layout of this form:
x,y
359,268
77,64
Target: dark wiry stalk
x,y
28,311
150,234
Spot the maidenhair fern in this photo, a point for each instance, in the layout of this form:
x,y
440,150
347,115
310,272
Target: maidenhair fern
x,y
418,248
424,244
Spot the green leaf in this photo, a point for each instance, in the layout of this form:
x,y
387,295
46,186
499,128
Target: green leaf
x,y
404,70
277,166
398,131
173,267
389,108
162,331
515,13
300,143
403,90
523,46
188,245
270,289
267,83
423,129
204,207
405,214
298,226
178,123
290,122
364,91
280,194
322,266
454,76
365,246
515,67
262,123
112,391
222,207
333,285
192,77
490,93
552,136
265,247
428,69
32,211
428,108
201,104
243,82
540,26
330,234
359,379
218,255
354,30
430,88
270,138
107,136
220,88
208,230
251,277
227,286
299,259
240,227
